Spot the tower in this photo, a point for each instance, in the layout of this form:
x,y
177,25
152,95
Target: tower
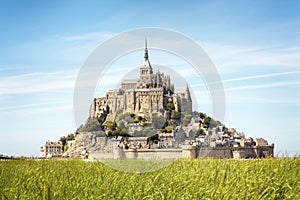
x,y
186,101
187,93
145,69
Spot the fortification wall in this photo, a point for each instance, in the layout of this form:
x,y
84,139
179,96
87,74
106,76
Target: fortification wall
x,y
217,152
148,154
187,152
102,155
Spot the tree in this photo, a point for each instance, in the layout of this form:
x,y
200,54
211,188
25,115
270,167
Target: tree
x,y
63,140
124,133
210,122
140,118
109,134
111,125
92,124
202,115
147,123
200,132
170,106
175,114
169,129
152,139
226,131
68,138
207,120
116,132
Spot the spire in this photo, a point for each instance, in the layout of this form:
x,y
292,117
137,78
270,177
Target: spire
x,y
188,92
146,50
146,69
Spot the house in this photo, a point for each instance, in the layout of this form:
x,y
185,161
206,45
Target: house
x,y
52,149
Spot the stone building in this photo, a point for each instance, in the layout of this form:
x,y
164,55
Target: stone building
x,y
149,94
52,149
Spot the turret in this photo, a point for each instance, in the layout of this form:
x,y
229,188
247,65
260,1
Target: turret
x,y
187,92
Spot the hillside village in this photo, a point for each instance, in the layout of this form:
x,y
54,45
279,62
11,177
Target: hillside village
x,y
148,118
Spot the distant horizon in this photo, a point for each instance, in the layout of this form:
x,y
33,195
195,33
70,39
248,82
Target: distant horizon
x,y
255,46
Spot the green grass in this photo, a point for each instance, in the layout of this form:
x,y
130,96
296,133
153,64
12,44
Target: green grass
x,y
183,179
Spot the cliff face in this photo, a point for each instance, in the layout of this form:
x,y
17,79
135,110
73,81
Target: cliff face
x,y
76,148
87,143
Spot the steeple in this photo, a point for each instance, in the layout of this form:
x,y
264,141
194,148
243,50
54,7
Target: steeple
x,y
146,69
187,88
146,50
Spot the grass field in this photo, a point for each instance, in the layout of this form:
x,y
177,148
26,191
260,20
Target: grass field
x,y
183,179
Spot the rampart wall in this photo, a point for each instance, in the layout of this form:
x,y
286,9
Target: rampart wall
x,y
188,152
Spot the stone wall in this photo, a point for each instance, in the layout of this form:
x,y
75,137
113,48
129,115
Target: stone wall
x,y
220,153
236,152
146,154
108,148
188,151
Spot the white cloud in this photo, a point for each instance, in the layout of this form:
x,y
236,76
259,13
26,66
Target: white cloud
x,y
256,100
261,76
260,86
30,106
5,68
255,86
37,82
98,36
232,58
253,77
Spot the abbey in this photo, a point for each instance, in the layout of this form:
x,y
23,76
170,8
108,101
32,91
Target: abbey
x,y
148,118
149,94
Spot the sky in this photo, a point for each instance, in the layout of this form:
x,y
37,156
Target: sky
x,y
255,46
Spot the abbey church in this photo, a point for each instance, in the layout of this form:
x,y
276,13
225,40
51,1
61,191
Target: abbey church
x,y
148,94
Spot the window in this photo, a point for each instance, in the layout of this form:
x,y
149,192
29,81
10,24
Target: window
x,y
144,72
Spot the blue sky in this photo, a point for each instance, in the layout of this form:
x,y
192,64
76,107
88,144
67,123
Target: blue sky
x,y
255,46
